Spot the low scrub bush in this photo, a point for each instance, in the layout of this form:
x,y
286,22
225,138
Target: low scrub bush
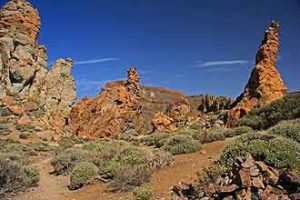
x,y
156,139
237,131
211,174
288,129
143,193
127,177
25,128
276,151
286,108
15,177
181,144
82,174
209,135
65,162
24,136
33,176
40,146
160,159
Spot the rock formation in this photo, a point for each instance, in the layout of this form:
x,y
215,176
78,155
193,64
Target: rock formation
x,y
115,112
127,108
209,103
265,84
26,87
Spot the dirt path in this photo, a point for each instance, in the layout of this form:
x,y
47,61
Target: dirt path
x,y
184,168
50,187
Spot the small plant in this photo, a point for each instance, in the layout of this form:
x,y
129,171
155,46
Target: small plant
x,y
156,139
211,174
32,175
128,177
181,144
286,108
276,151
4,130
288,129
40,146
82,174
24,136
160,159
13,177
210,135
240,130
65,162
25,128
143,193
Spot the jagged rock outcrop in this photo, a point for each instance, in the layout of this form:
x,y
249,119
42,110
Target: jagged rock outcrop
x,y
163,123
265,84
209,103
58,94
127,108
27,89
115,112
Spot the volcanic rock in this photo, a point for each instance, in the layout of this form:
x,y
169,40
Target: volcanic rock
x,y
265,84
209,103
26,86
115,112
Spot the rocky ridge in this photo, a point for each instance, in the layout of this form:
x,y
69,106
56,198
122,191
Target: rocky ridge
x,y
27,88
265,84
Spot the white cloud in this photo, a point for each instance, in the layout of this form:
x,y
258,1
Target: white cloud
x,y
221,63
94,61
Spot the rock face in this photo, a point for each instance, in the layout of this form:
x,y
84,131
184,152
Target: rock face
x,y
115,112
127,108
265,84
25,83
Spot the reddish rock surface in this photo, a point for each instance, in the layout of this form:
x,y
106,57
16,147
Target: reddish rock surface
x,y
126,108
27,88
265,84
115,112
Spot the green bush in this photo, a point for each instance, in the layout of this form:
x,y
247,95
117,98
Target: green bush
x,y
82,174
32,175
65,162
17,148
211,174
286,108
143,193
181,144
237,131
4,130
25,128
276,151
40,146
288,129
24,136
209,135
12,177
160,159
127,177
156,139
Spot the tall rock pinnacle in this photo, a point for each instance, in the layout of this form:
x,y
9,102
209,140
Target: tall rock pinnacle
x,y
265,84
24,78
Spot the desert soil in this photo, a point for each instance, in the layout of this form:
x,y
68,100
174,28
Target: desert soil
x,y
184,169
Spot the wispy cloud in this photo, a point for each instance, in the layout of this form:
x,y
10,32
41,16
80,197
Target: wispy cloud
x,y
217,63
94,61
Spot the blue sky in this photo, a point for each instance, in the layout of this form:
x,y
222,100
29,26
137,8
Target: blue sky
x,y
195,46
